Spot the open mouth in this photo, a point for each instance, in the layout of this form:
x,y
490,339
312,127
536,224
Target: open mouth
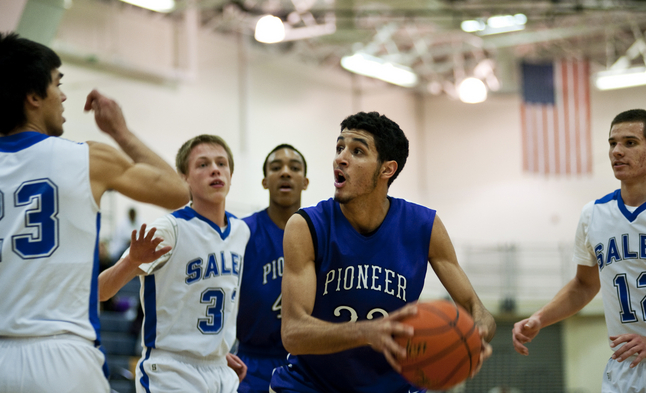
x,y
285,187
217,183
339,177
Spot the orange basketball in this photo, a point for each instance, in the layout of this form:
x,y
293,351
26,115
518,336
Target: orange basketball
x,y
445,347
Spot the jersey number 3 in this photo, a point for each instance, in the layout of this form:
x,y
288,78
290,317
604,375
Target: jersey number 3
x,y
41,219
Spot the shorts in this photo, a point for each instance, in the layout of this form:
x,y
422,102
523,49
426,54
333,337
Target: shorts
x,y
259,371
161,371
618,377
61,363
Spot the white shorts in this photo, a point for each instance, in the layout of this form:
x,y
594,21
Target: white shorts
x,y
61,363
618,377
161,371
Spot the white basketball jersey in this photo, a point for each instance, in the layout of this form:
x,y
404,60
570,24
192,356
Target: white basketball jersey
x,y
191,301
614,238
49,227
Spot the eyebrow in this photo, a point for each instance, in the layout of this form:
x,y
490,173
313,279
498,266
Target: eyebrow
x,y
360,140
612,138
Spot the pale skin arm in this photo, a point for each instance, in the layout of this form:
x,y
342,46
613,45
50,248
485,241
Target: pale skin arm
x,y
139,173
304,334
568,301
143,249
444,262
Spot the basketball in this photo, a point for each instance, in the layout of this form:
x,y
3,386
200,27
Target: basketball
x,y
445,347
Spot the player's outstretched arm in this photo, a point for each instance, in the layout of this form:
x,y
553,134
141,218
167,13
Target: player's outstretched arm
x,y
143,249
444,262
575,295
304,334
141,175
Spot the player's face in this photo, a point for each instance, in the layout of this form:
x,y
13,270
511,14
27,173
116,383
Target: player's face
x,y
356,165
52,106
285,178
628,151
209,174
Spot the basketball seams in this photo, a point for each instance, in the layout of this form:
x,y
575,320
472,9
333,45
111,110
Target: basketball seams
x,y
448,315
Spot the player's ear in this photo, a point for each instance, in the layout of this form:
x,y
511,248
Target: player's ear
x,y
33,100
306,183
264,183
388,169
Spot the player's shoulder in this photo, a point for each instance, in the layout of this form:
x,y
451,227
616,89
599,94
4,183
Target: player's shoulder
x,y
613,196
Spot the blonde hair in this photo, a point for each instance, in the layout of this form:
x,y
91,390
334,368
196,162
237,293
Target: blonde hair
x,y
181,160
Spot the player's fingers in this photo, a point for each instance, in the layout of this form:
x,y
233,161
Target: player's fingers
x,y
519,347
151,234
161,251
391,360
142,231
407,310
90,100
133,236
638,359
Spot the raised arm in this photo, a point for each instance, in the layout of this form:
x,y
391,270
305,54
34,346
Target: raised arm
x,y
304,334
575,295
143,249
139,173
444,262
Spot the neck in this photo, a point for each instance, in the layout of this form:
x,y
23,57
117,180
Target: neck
x,y
366,215
213,211
280,214
633,194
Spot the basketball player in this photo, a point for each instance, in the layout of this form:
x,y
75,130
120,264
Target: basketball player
x,y
362,257
190,293
50,193
260,346
610,254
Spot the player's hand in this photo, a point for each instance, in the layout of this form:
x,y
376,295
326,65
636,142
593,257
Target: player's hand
x,y
143,248
524,332
237,365
634,344
380,334
486,350
107,113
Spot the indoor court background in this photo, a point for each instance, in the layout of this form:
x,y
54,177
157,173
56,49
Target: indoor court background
x,y
176,77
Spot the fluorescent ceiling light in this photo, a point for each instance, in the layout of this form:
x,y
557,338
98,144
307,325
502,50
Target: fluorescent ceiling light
x,y
472,91
269,30
495,25
153,5
619,79
375,67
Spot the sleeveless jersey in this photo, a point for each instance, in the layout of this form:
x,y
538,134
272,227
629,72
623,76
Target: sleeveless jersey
x,y
191,301
364,277
260,292
49,231
614,239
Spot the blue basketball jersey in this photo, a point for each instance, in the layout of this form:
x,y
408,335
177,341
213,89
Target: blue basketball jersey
x,y
260,292
49,232
364,277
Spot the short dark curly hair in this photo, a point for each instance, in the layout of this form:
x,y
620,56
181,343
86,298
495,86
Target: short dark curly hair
x,y
284,146
390,141
26,67
629,116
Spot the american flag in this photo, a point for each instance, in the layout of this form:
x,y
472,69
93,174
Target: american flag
x,y
555,116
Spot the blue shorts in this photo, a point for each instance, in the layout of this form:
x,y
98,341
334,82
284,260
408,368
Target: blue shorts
x,y
259,371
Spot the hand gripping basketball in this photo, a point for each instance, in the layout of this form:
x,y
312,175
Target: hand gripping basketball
x,y
445,348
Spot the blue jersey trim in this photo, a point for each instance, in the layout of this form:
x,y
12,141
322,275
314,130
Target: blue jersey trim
x,y
145,380
20,141
187,213
94,297
150,311
620,204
